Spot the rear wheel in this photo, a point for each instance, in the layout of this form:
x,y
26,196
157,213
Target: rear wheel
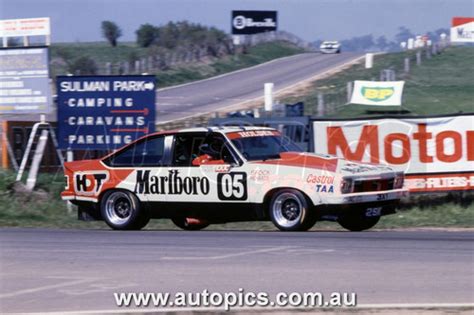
x,y
188,224
289,211
357,223
121,210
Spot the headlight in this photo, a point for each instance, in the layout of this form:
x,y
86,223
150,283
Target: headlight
x,y
398,181
346,185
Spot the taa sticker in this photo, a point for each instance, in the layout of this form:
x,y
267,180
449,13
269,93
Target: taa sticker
x,y
89,183
325,189
373,212
232,186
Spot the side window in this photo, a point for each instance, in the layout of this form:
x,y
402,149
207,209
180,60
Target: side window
x,y
186,148
144,153
214,145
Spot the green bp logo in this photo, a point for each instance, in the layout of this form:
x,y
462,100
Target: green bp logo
x,y
377,94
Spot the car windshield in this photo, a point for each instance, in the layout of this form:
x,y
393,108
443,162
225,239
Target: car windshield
x,y
256,148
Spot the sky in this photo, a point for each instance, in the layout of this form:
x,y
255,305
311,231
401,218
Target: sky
x,y
79,20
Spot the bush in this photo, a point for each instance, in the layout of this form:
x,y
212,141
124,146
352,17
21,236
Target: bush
x,y
83,66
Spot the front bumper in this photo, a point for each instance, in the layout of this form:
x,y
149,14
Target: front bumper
x,y
367,197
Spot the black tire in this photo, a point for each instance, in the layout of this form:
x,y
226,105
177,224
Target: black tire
x,y
183,224
121,210
357,223
290,211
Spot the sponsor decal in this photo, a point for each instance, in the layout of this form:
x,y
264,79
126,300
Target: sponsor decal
x,y
90,183
379,93
441,145
259,175
232,186
320,179
254,133
325,188
222,168
171,184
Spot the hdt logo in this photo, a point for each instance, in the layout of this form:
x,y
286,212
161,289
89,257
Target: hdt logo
x,y
90,183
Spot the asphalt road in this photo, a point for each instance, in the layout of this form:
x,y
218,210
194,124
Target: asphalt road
x,y
77,270
240,86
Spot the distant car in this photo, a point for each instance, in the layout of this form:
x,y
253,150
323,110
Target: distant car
x,y
200,176
330,47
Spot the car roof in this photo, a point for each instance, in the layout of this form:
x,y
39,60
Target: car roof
x,y
224,129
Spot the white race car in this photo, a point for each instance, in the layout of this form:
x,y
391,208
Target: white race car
x,y
330,47
201,176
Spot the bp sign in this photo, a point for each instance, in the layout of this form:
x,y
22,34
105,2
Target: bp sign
x,y
104,112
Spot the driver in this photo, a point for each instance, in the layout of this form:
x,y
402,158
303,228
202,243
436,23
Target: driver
x,y
209,153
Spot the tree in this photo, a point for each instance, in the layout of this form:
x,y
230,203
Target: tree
x,y
111,32
147,34
403,35
382,43
83,66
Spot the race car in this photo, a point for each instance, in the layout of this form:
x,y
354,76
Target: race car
x,y
330,47
202,176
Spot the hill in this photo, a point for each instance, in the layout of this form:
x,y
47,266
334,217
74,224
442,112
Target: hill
x,y
442,84
183,66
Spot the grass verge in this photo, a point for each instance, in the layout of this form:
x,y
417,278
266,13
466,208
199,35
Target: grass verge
x,y
45,209
102,53
440,85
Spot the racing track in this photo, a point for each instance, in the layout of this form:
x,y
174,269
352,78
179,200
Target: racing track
x,y
230,89
77,270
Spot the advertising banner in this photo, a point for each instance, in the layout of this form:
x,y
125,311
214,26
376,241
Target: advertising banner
x,y
462,30
253,22
24,81
25,27
104,112
436,153
378,93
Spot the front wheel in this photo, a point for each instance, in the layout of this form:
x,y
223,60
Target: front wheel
x,y
289,211
357,223
121,210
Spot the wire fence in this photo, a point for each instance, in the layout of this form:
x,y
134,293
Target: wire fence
x,y
159,60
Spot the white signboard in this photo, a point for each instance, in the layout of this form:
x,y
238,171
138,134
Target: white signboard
x,y
25,27
378,93
24,81
462,30
437,153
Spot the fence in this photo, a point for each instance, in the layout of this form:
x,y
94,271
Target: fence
x,y
163,60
